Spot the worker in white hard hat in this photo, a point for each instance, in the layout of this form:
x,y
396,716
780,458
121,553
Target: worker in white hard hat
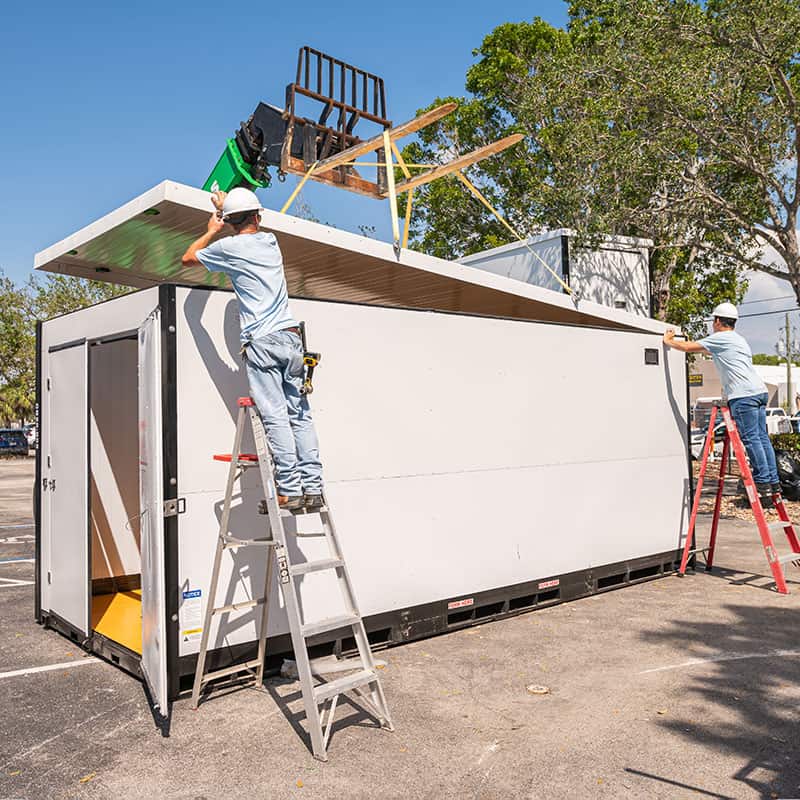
x,y
743,390
271,341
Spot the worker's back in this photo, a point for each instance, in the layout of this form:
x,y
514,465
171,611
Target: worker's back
x,y
254,263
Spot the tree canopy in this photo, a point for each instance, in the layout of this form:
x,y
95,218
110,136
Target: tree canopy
x,y
20,308
666,119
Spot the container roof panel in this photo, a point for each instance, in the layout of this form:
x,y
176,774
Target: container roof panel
x,y
141,243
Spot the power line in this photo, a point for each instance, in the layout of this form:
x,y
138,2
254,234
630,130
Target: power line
x,y
767,313
768,300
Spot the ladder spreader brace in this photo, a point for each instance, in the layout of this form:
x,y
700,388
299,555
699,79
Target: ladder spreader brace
x,y
363,680
732,439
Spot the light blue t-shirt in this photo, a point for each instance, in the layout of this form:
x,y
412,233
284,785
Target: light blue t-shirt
x,y
254,263
734,362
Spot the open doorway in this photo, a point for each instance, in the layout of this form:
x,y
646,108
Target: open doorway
x,y
116,563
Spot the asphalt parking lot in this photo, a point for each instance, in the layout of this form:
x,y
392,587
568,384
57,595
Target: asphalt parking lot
x,y
673,688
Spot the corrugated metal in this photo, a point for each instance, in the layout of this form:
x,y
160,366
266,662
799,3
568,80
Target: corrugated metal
x,y
141,243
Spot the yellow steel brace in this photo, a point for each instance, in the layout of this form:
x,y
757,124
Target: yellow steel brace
x,y
477,192
298,187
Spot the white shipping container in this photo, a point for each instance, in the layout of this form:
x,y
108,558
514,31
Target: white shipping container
x,y
459,493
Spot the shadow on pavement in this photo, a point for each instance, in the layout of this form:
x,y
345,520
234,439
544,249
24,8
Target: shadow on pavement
x,y
748,691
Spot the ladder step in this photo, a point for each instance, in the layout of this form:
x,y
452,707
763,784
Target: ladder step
x,y
238,606
340,685
780,525
221,673
232,541
789,557
329,624
316,566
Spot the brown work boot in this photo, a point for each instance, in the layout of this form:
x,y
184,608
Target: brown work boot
x,y
291,502
314,502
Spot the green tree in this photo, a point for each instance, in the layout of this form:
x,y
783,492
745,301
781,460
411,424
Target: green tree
x,y
17,354
20,308
658,118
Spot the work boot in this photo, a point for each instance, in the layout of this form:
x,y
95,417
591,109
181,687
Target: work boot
x,y
290,502
777,489
314,502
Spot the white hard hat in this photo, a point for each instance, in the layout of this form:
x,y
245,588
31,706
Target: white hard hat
x,y
239,200
726,311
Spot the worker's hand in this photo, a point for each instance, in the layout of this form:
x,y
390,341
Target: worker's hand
x,y
218,198
669,336
215,223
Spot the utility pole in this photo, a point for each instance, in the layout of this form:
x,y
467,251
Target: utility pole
x,y
788,347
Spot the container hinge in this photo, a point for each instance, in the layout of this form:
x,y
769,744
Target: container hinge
x,y
49,578
174,507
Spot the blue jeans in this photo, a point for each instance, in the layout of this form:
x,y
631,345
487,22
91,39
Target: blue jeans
x,y
750,416
275,371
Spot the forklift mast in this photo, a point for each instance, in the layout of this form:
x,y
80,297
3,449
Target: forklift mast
x,y
274,137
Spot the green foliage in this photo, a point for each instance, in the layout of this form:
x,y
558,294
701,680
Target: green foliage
x,y
766,360
786,441
672,120
20,308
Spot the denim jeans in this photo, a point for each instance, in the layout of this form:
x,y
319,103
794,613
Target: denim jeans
x,y
275,371
750,416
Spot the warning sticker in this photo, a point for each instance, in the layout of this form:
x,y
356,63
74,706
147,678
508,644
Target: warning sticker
x,y
192,615
460,603
549,584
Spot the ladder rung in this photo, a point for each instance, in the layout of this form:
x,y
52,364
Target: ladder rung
x,y
221,673
780,525
699,550
789,557
232,541
340,685
316,566
238,606
329,624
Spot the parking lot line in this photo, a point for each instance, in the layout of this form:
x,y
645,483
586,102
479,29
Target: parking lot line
x,y
50,667
9,583
16,560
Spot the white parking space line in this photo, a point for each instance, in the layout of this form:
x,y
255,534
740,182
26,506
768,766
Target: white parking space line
x,y
10,583
725,657
20,560
50,667
15,527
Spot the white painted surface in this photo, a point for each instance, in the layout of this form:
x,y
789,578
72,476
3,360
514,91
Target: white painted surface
x,y
444,461
105,319
151,492
66,469
613,270
64,665
321,262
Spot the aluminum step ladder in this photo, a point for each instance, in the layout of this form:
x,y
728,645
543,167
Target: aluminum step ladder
x,y
320,700
733,440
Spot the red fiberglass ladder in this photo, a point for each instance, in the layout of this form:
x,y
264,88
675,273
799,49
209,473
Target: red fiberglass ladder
x,y
765,528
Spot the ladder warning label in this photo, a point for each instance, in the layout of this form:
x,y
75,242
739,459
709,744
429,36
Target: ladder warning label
x,y
191,615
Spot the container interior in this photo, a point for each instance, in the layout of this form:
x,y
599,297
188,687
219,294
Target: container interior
x,y
114,473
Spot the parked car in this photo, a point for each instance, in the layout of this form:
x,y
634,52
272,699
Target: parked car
x,y
795,423
30,433
13,442
778,421
699,439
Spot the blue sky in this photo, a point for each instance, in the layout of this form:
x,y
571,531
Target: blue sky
x,y
101,101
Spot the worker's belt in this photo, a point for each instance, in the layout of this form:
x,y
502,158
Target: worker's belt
x,y
292,330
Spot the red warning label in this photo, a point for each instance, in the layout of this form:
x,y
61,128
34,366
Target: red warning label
x,y
460,603
549,584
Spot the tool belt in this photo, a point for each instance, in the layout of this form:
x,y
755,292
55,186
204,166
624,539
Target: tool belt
x,y
310,360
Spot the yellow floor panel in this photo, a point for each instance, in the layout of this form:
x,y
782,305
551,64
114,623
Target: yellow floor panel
x,y
119,617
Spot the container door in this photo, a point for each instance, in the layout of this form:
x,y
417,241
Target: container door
x,y
65,485
151,500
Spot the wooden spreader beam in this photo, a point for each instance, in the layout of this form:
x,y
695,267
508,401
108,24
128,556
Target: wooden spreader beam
x,y
341,169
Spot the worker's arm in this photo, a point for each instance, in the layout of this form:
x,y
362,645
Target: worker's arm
x,y
215,225
684,345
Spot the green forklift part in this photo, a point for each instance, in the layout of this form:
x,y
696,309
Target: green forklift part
x,y
232,171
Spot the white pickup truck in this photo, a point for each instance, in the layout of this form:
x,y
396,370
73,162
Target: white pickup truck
x,y
778,421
